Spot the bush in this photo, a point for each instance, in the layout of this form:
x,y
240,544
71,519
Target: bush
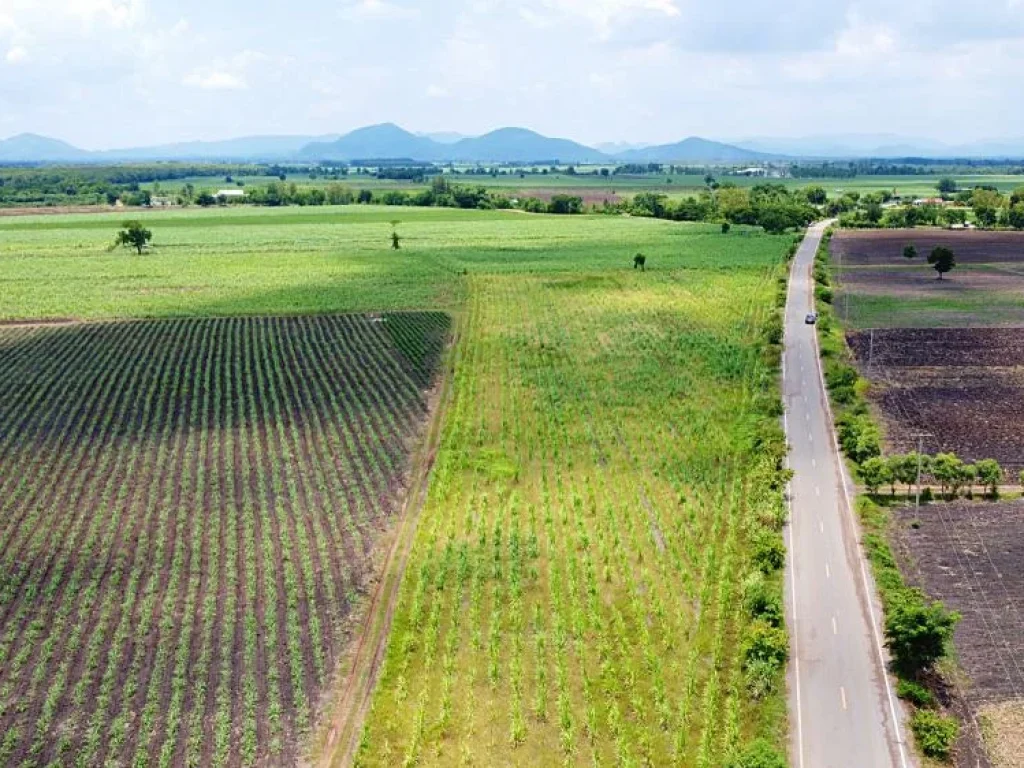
x,y
916,632
935,733
769,551
915,693
761,601
823,293
764,649
760,754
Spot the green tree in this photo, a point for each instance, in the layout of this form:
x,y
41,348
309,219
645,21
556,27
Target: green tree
x,y
947,468
726,226
986,215
917,633
816,195
910,251
1015,216
942,260
946,186
133,235
990,475
875,472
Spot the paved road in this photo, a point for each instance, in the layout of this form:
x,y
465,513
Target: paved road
x,y
843,713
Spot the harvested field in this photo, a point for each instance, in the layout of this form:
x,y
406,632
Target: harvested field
x,y
884,247
878,288
1003,726
963,386
969,556
188,511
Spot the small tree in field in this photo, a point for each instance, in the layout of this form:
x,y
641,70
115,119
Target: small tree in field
x,y
910,251
942,260
133,235
396,241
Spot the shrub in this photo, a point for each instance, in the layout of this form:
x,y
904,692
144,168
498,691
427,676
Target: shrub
x,y
760,754
769,551
935,733
915,693
916,632
764,650
761,601
823,293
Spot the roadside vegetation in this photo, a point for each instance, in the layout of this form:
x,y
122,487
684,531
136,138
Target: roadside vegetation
x,y
918,631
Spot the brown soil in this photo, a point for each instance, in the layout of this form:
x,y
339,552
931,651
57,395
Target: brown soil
x,y
1003,726
964,387
969,555
884,247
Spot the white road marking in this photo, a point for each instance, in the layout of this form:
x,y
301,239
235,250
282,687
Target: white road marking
x,y
817,490
814,462
842,695
821,525
828,571
835,627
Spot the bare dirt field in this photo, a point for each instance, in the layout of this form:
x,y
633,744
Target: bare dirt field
x,y
969,556
884,247
962,386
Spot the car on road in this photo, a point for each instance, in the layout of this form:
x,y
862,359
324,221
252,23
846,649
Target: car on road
x,y
812,318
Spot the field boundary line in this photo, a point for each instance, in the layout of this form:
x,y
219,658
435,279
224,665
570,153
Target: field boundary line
x,y
338,742
871,592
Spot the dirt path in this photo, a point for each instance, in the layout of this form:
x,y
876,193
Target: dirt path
x,y
339,739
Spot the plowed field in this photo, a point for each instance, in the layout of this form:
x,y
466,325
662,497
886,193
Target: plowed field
x,y
187,510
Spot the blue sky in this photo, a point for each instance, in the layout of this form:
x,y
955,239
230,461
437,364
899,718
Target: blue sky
x,y
106,73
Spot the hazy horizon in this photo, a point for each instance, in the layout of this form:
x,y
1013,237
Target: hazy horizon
x,y
106,74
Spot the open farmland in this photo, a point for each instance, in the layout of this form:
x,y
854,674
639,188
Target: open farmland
x,y
189,509
964,387
946,360
572,596
879,288
573,592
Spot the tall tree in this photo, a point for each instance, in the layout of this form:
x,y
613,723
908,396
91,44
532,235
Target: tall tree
x,y
942,260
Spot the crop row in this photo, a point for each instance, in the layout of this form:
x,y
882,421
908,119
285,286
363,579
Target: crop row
x,y
188,510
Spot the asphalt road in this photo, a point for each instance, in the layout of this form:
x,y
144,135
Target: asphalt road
x,y
843,712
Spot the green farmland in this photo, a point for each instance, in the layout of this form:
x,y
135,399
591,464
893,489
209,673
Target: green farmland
x,y
594,574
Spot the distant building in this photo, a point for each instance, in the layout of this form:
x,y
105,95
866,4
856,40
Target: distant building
x,y
752,172
230,193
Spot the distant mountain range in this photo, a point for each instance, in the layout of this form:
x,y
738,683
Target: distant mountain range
x,y
882,145
389,141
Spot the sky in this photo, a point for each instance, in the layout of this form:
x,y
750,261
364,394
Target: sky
x,y
115,73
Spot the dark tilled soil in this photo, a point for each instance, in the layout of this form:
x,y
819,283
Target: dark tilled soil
x,y
963,387
969,555
884,247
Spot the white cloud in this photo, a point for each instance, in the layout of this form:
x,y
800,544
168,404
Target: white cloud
x,y
604,14
214,80
378,10
862,39
436,92
17,55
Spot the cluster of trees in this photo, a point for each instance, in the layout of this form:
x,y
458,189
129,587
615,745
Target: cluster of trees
x,y
906,167
440,194
985,204
98,185
946,469
772,206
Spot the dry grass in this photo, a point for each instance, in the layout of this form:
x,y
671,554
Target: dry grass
x,y
1003,727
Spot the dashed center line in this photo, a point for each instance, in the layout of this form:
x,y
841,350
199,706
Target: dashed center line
x,y
828,571
835,626
842,695
821,525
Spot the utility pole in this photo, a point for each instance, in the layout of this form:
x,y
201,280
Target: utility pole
x,y
920,458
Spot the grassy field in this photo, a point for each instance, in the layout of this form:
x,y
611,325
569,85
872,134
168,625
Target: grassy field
x,y
603,498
